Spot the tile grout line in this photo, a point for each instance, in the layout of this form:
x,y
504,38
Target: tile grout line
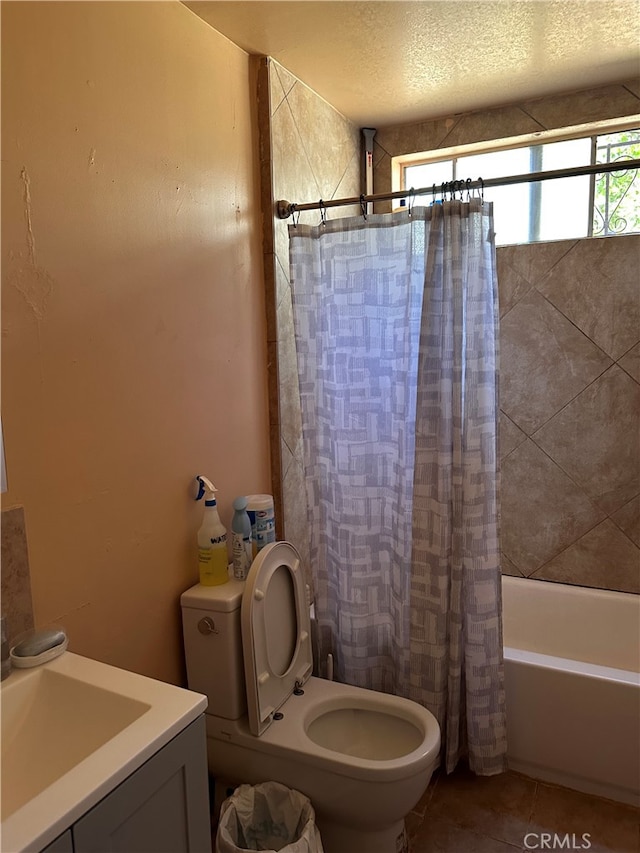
x,y
533,802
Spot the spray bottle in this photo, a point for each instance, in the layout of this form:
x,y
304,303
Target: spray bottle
x,y
212,538
241,539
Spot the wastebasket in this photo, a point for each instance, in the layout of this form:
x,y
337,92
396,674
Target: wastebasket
x,y
268,817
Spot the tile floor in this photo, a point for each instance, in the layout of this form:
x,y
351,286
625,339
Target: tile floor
x,y
464,813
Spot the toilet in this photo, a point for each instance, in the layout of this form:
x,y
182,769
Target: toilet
x,y
362,757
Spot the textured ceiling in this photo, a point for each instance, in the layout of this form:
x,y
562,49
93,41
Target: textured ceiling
x,y
384,62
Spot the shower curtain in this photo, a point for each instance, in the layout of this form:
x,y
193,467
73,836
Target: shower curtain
x,y
396,330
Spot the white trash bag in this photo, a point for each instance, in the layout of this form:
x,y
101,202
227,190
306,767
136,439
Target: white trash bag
x,y
268,817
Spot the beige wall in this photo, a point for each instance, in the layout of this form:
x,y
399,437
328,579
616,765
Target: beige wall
x,y
309,151
133,332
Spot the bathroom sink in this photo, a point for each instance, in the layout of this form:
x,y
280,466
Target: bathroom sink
x,y
72,730
50,723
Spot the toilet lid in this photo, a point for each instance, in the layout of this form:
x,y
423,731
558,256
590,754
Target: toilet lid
x,y
276,632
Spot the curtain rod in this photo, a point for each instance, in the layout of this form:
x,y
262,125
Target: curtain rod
x,y
285,208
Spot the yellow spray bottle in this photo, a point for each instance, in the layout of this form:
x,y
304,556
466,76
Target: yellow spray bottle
x,y
212,538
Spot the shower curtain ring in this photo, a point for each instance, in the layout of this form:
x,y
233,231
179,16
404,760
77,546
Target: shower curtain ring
x,y
323,212
363,207
294,210
412,198
468,183
481,190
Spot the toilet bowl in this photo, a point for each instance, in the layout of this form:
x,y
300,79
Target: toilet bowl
x,y
362,757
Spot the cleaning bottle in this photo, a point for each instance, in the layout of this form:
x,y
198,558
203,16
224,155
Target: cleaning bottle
x,y
212,538
263,523
241,539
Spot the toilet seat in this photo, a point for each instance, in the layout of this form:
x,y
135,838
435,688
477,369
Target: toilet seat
x,y
276,632
288,739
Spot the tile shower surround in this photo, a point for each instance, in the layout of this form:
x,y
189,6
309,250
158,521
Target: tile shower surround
x,y
307,150
15,594
569,343
570,411
549,113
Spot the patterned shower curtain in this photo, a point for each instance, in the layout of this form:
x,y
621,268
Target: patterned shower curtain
x,y
396,330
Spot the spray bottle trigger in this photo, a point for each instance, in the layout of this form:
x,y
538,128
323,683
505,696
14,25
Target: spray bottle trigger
x,y
204,485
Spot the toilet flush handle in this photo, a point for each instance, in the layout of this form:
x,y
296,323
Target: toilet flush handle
x,y
207,626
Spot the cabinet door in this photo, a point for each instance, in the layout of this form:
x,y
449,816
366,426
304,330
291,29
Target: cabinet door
x,y
161,808
62,844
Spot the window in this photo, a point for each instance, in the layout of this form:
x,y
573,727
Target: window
x,y
581,206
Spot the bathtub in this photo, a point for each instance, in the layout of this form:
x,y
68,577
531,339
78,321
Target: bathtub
x,y
572,664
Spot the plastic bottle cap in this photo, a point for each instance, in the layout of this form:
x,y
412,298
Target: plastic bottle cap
x,y
240,503
260,501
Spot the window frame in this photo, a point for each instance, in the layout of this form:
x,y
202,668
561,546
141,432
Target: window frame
x,y
590,130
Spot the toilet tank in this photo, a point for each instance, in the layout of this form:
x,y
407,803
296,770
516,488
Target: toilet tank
x,y
213,646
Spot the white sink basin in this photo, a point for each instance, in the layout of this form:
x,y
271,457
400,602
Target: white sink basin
x,y
50,723
72,730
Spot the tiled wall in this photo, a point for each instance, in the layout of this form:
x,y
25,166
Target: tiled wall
x,y
570,411
569,384
532,116
570,352
308,152
14,570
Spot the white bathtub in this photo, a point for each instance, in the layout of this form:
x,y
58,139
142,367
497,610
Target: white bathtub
x,y
572,664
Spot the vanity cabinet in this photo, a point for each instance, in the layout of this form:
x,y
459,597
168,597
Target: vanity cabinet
x,y
62,844
163,807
